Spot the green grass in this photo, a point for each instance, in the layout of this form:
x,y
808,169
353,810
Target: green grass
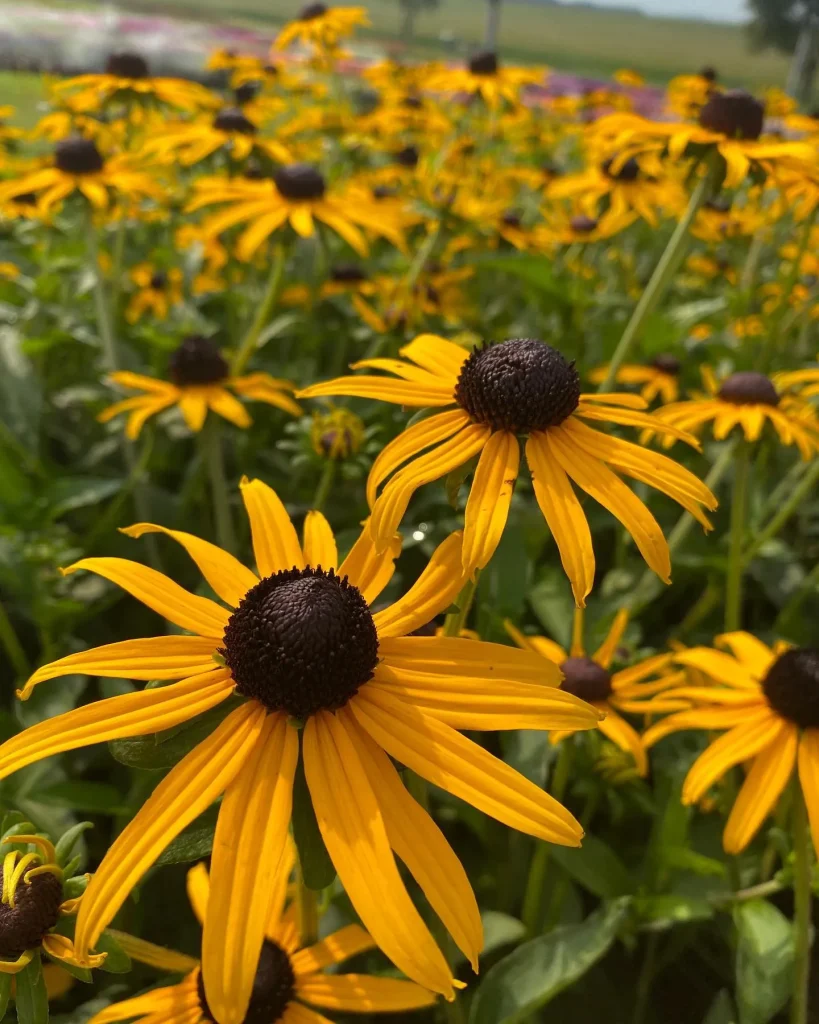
x,y
568,38
23,91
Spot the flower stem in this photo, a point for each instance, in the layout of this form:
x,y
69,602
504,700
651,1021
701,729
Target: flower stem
x,y
12,646
214,459
456,620
104,320
271,293
324,485
804,488
739,506
306,912
803,897
661,279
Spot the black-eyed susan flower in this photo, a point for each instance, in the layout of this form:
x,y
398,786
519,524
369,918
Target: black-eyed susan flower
x,y
229,132
79,166
157,290
127,79
336,433
297,649
31,906
660,376
289,977
747,400
765,698
297,195
200,380
483,75
500,392
591,679
322,26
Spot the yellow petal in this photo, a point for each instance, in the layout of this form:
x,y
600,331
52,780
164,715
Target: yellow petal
x,y
399,392
809,779
193,405
62,948
409,657
721,667
248,847
447,759
275,541
197,614
756,657
319,543
437,355
605,652
700,718
197,883
368,570
335,949
173,1002
620,733
359,993
354,832
490,496
152,955
188,789
224,404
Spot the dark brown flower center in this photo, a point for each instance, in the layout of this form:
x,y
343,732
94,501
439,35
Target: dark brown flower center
x,y
312,11
736,114
76,155
273,988
709,74
408,156
159,280
792,686
232,120
35,912
720,204
586,679
127,65
300,182
348,273
511,219
301,641
748,388
667,363
246,92
519,385
484,63
583,225
197,361
628,171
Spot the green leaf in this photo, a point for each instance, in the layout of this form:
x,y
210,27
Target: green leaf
x,y
5,993
764,962
165,749
31,996
65,494
596,867
68,840
75,886
80,973
536,271
552,602
194,843
87,797
721,1010
317,870
665,911
538,970
689,860
117,961
499,930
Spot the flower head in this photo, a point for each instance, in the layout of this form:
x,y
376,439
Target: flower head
x,y
322,26
660,376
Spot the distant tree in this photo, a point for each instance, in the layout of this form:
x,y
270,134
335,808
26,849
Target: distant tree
x,y
493,14
793,27
410,9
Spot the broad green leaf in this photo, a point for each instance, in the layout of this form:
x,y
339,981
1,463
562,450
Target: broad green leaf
x,y
551,600
596,867
194,843
536,271
538,970
65,494
164,750
87,797
80,973
721,1010
689,860
68,840
660,912
117,961
764,962
317,870
31,996
5,993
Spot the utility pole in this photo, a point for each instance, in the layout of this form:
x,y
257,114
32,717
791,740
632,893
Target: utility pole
x,y
492,24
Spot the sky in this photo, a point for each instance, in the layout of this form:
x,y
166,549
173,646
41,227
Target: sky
x,y
719,10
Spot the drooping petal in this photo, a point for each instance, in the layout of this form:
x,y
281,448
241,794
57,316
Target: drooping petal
x,y
399,392
129,714
618,730
153,955
447,759
721,667
188,611
432,592
226,405
356,838
755,656
335,949
275,541
229,578
319,542
437,355
170,1001
490,496
699,718
188,789
809,779
360,993
605,652
250,839
193,404
368,570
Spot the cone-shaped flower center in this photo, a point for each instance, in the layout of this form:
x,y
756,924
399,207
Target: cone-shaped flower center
x,y
519,385
231,119
273,988
76,155
583,225
348,273
667,363
484,63
301,641
158,280
300,182
736,114
748,388
197,361
408,156
792,686
709,73
312,11
246,92
35,912
629,171
586,679
511,219
127,65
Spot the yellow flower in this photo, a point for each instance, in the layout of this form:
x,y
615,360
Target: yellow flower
x,y
766,700
590,679
200,379
629,78
297,194
9,271
659,377
80,167
286,976
484,76
322,26
747,400
296,650
32,904
336,434
517,387
752,326
807,380
230,132
701,332
158,290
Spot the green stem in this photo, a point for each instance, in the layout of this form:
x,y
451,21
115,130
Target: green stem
x,y
739,506
771,346
306,912
791,609
324,485
455,621
746,280
271,293
108,520
12,646
798,495
646,978
533,898
422,257
214,460
104,321
803,897
561,886
663,275
116,270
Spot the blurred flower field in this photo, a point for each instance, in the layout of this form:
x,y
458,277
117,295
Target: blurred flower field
x,y
409,544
